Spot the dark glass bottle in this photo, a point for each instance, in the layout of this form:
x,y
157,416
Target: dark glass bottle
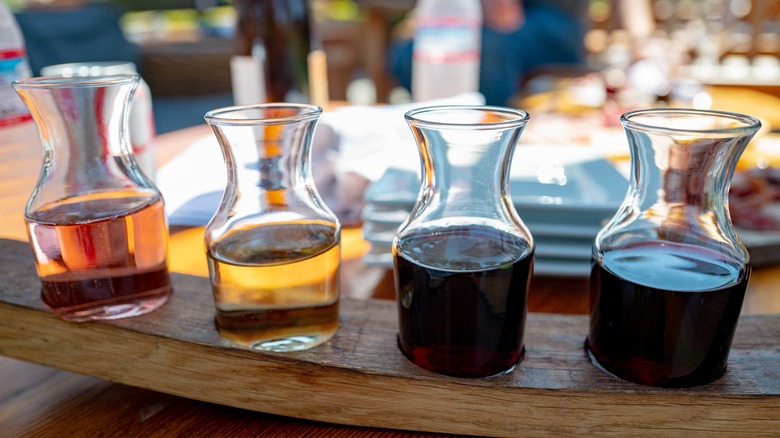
x,y
277,32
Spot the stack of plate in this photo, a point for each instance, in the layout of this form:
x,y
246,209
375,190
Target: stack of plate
x,y
563,205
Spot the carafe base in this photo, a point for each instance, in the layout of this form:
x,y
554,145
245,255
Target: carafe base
x,y
275,341
680,382
116,310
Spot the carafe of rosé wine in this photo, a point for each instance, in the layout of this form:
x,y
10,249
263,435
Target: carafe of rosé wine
x,y
95,222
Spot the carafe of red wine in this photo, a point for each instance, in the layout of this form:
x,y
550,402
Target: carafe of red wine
x,y
95,222
463,258
273,246
669,272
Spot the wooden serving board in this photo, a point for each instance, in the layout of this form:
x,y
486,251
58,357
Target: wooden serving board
x,y
360,378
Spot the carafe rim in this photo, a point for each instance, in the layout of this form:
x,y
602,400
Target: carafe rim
x,y
748,124
227,116
57,82
515,117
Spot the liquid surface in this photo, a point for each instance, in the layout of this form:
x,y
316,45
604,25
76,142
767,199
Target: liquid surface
x,y
675,327
277,287
673,266
101,256
463,248
465,323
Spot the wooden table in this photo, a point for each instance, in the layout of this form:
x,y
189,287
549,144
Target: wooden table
x,y
36,400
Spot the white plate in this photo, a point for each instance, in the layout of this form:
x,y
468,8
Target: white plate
x,y
591,189
564,213
381,222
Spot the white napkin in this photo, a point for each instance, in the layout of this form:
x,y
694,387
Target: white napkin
x,y
375,138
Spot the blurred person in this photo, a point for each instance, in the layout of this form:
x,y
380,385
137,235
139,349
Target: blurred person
x,y
518,37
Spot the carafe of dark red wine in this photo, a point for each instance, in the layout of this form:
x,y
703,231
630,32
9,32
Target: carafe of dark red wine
x,y
95,222
277,34
669,272
463,258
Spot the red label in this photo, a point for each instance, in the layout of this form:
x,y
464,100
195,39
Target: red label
x,y
448,57
8,121
12,53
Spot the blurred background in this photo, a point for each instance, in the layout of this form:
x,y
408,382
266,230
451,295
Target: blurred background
x,y
630,53
182,48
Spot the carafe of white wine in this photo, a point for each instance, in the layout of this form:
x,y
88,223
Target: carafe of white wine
x,y
273,246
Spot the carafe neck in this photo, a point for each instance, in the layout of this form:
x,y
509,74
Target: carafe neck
x,y
682,171
267,151
465,153
682,162
82,123
270,164
466,174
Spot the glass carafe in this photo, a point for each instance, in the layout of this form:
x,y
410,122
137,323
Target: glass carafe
x,y
463,258
669,272
95,222
273,246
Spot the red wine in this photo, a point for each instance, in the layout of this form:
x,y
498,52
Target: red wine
x,y
664,314
465,319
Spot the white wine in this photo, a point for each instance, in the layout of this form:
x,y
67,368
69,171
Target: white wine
x,y
283,297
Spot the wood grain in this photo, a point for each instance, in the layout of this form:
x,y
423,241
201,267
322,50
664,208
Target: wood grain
x,y
360,378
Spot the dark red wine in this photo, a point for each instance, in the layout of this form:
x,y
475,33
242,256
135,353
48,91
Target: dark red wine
x,y
467,318
664,314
